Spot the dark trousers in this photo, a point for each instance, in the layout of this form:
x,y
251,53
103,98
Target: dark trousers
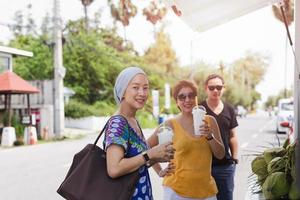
x,y
224,177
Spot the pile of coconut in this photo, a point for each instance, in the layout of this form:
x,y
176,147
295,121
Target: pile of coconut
x,y
276,172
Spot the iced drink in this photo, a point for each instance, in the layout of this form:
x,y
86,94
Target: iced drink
x,y
165,134
198,116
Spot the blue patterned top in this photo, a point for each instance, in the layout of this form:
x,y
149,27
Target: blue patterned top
x,y
119,132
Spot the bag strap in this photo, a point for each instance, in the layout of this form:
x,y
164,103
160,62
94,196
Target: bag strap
x,y
101,132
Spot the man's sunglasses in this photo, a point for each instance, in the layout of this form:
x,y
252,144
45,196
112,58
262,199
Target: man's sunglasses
x,y
182,97
213,87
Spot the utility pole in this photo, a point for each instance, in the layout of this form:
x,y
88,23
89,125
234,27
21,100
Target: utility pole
x,y
59,73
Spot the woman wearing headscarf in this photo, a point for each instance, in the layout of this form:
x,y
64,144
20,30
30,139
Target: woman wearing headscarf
x,y
188,176
124,142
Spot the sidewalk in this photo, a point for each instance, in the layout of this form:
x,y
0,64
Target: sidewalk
x,y
73,132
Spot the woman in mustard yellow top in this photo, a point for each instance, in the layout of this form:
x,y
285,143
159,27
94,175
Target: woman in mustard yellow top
x,y
188,175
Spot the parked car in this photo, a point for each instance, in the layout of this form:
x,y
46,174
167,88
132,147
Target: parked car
x,y
240,111
285,114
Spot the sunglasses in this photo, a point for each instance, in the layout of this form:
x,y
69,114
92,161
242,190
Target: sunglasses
x,y
182,97
213,87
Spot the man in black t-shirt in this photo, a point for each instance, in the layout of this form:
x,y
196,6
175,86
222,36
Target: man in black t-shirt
x,y
222,170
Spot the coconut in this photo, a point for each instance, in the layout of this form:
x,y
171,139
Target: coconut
x,y
275,186
261,179
276,164
294,194
259,166
271,153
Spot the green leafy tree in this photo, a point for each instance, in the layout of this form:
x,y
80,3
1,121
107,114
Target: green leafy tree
x,y
110,38
273,99
39,67
246,73
161,54
92,65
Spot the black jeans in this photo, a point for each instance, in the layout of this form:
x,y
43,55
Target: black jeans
x,y
224,177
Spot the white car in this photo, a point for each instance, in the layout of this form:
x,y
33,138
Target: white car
x,y
241,111
285,114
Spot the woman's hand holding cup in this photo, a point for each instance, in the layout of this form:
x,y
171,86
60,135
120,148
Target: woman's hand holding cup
x,y
167,171
205,130
162,152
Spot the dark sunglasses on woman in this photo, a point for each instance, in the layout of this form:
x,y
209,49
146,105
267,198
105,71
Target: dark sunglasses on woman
x,y
182,97
213,87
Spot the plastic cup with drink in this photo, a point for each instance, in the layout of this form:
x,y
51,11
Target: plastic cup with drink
x,y
165,134
198,116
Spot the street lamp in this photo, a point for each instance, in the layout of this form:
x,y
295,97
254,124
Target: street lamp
x,y
85,4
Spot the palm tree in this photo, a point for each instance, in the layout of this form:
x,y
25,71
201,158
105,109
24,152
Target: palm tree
x,y
123,12
85,4
154,12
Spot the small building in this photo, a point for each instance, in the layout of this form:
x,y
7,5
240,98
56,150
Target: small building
x,y
6,57
42,103
41,113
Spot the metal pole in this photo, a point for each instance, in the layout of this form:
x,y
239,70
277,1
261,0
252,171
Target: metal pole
x,y
29,109
59,72
297,90
9,110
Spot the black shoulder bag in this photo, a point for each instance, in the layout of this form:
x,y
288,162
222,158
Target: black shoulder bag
x,y
87,178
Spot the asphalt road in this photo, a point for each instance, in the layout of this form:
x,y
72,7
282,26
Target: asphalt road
x,y
35,172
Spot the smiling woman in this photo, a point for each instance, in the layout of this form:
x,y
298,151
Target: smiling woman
x,y
125,144
188,176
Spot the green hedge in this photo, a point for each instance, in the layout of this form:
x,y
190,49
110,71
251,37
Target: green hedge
x,y
76,109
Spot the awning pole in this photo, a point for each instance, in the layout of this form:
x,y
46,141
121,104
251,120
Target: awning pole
x,y
5,101
29,109
9,110
297,90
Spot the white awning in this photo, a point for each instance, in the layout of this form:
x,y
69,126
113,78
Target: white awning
x,y
202,15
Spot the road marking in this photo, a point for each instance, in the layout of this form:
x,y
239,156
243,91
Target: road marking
x,y
244,145
254,136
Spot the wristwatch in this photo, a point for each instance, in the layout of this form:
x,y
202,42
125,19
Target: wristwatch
x,y
147,159
235,160
211,137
